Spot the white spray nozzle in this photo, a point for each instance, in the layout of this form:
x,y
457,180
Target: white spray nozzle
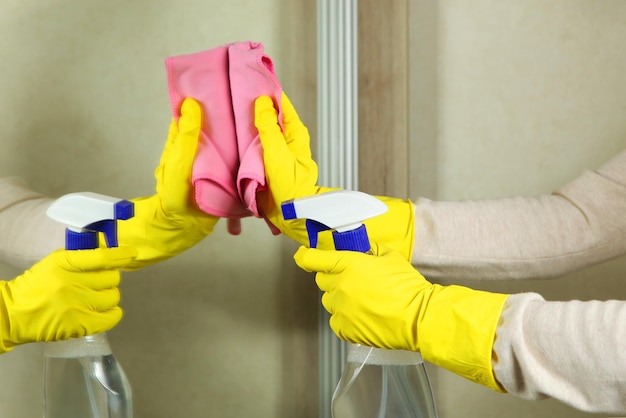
x,y
85,214
342,211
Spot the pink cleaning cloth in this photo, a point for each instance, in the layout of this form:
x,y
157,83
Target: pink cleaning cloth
x,y
228,169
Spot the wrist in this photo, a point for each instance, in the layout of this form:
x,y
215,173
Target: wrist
x,y
394,229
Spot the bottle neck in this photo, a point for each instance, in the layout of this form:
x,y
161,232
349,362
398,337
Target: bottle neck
x,y
91,345
362,354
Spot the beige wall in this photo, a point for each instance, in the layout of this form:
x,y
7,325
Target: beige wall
x,y
225,330
515,98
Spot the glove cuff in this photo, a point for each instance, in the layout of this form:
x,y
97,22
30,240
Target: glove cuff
x,y
396,228
457,332
5,322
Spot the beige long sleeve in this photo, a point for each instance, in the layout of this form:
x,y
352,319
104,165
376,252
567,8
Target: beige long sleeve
x,y
571,351
27,233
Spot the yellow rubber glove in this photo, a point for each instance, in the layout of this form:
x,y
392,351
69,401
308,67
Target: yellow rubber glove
x,y
382,301
291,173
170,222
67,294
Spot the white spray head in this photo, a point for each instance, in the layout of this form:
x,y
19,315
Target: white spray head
x,y
342,211
85,214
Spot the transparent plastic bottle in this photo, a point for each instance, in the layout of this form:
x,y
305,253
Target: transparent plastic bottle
x,y
82,379
378,383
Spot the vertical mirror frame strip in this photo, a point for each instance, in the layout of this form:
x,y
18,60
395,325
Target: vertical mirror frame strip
x,y
337,150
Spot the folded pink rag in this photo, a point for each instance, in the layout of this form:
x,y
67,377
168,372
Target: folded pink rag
x,y
228,169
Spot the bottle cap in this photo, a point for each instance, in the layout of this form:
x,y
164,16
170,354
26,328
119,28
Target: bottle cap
x,y
353,240
80,240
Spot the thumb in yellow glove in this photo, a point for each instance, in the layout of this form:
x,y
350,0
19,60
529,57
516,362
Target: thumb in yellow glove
x,y
382,301
169,222
291,173
67,294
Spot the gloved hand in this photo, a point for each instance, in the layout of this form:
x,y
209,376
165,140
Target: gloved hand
x,y
169,222
382,301
291,173
67,294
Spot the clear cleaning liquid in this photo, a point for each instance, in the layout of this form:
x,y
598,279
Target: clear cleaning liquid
x,y
380,383
83,379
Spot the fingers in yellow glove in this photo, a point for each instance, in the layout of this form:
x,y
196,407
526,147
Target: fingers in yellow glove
x,y
291,173
173,175
67,294
170,222
289,168
360,303
382,301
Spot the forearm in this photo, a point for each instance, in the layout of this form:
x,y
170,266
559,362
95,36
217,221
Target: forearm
x,y
571,351
580,224
27,234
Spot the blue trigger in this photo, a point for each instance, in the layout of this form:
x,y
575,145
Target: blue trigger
x,y
313,228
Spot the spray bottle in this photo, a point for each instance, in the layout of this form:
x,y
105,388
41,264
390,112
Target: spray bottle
x,y
82,377
376,383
